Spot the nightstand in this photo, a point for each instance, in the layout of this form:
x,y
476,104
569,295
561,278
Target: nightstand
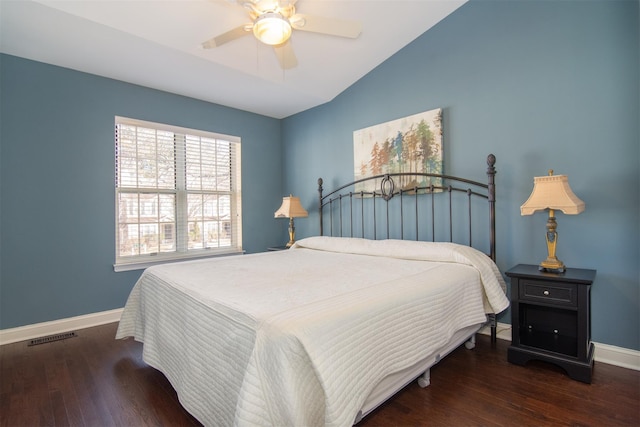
x,y
277,248
551,320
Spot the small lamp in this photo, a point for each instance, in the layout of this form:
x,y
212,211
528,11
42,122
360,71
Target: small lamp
x,y
553,193
291,208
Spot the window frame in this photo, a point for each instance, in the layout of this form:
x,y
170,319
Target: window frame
x,y
180,192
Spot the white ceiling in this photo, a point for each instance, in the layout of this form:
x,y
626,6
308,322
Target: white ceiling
x,y
156,43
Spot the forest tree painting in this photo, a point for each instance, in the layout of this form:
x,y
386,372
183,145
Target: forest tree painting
x,y
409,144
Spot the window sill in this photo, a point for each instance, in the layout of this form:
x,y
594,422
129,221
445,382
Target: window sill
x,y
141,264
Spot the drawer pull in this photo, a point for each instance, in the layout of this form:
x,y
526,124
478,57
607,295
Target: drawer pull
x,y
546,293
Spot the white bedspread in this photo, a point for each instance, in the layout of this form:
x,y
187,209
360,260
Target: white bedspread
x,y
300,337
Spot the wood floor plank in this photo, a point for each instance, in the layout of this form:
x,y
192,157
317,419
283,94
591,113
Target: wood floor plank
x,y
30,378
64,399
95,380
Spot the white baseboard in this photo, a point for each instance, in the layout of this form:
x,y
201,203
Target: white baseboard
x,y
604,353
23,333
503,331
618,356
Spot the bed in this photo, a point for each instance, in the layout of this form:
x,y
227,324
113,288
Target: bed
x,y
322,333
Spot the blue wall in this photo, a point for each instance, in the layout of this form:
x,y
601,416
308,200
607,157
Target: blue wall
x,y
542,85
57,184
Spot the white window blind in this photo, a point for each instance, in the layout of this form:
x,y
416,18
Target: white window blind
x,y
178,193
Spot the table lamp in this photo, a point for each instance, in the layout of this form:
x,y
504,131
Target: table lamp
x,y
291,208
552,192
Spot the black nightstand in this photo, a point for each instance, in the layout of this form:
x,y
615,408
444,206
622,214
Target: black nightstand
x,y
551,320
277,248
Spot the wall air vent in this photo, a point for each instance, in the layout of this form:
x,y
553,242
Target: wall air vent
x,y
51,338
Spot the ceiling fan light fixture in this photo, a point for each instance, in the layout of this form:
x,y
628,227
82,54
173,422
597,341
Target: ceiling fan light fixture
x,y
272,28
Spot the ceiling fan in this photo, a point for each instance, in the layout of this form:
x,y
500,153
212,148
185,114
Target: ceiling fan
x,y
272,22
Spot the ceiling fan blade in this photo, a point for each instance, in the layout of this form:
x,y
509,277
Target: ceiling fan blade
x,y
286,56
227,37
331,26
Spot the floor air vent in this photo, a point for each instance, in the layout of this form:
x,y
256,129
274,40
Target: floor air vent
x,y
51,338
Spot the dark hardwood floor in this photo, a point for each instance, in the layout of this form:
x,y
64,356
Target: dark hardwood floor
x,y
95,380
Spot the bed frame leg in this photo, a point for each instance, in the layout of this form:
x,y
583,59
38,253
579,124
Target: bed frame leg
x,y
471,342
425,379
493,323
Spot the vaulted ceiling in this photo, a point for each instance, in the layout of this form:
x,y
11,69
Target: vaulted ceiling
x,y
157,44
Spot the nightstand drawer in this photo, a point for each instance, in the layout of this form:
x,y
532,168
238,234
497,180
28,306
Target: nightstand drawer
x,y
549,293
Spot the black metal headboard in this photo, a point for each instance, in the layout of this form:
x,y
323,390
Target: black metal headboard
x,y
344,202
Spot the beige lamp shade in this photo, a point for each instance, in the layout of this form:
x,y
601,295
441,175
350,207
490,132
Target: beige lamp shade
x,y
552,192
291,208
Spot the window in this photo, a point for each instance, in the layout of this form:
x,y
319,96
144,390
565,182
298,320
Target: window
x,y
177,193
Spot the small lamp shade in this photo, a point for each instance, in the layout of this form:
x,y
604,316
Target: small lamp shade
x,y
552,192
291,208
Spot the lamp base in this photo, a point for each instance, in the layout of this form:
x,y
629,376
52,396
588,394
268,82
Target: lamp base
x,y
292,234
552,265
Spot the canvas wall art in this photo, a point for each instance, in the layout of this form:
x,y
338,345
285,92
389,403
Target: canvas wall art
x,y
409,144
